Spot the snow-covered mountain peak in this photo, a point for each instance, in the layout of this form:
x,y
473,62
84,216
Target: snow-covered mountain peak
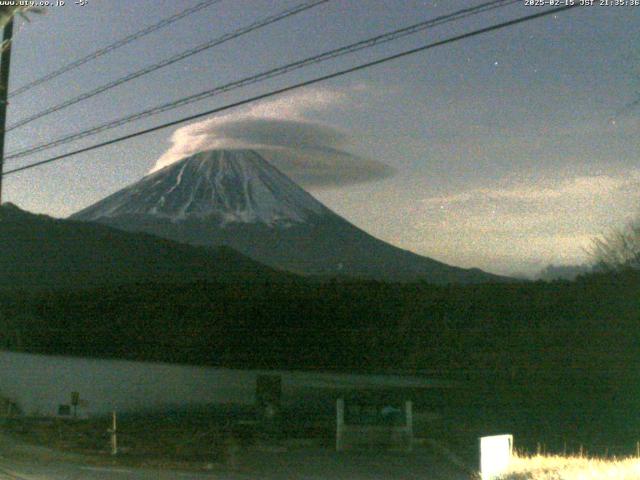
x,y
226,186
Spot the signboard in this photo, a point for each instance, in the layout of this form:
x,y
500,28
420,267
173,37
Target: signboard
x,y
366,413
374,424
64,410
495,455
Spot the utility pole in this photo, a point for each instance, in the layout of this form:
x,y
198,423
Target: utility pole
x,y
5,60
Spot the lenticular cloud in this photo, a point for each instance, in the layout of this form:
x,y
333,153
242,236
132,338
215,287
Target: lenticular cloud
x,y
312,154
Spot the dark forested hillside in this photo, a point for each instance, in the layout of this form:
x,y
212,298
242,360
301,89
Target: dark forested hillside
x,y
43,252
534,358
507,328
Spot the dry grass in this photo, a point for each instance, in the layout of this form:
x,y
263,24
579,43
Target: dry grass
x,y
550,467
141,436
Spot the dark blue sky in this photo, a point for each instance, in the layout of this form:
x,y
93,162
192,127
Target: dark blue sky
x,y
511,150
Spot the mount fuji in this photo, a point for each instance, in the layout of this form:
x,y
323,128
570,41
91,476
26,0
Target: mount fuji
x,y
237,199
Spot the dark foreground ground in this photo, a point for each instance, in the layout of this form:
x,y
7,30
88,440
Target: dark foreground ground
x,y
297,460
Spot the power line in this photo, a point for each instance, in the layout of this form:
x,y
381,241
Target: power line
x,y
114,46
278,71
297,86
171,60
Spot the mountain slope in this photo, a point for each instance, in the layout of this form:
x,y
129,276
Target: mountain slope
x,y
39,251
236,198
221,187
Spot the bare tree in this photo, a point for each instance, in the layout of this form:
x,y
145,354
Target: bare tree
x,y
7,12
618,249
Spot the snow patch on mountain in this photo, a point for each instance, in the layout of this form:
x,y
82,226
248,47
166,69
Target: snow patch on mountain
x,y
227,186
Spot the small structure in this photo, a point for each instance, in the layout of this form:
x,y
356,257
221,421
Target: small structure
x,y
381,419
8,408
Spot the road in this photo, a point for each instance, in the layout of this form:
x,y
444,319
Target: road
x,y
68,471
303,464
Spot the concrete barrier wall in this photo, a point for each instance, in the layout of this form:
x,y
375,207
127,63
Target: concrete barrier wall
x,y
38,384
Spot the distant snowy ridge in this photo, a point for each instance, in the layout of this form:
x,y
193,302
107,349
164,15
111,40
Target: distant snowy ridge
x,y
229,186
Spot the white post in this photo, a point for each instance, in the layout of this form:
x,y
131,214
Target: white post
x,y
114,434
408,409
339,424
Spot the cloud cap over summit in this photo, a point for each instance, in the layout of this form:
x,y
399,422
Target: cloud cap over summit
x,y
312,154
